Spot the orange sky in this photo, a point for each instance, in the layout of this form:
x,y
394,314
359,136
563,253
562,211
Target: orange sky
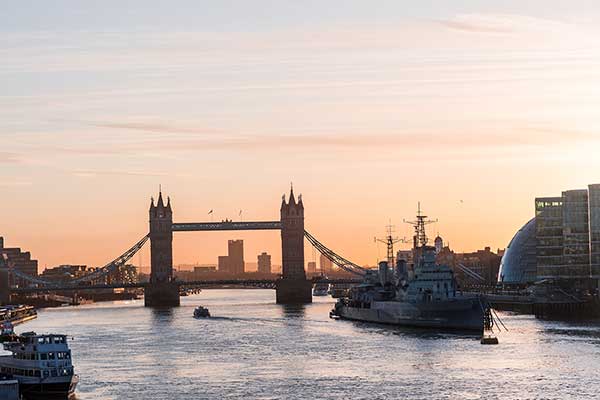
x,y
471,111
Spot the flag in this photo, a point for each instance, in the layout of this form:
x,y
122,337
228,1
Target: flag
x,y
210,212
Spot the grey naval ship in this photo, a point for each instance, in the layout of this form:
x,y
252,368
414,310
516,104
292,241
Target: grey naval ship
x,y
421,294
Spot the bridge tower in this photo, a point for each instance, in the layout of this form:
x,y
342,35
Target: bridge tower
x,y
293,288
162,290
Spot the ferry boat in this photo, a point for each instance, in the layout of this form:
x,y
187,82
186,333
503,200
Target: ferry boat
x,y
42,366
425,295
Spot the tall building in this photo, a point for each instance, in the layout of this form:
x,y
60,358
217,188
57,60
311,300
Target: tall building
x,y
311,267
236,256
576,235
264,263
549,235
233,262
325,264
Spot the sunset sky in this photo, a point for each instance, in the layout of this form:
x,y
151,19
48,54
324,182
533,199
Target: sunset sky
x,y
471,107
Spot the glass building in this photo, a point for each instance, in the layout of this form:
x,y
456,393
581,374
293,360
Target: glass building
x,y
519,264
561,242
594,222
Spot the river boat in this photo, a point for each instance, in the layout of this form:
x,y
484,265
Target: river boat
x,y
42,365
201,312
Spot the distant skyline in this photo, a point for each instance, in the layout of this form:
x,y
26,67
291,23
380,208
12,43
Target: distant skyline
x,y
472,107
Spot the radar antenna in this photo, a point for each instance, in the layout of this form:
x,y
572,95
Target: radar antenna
x,y
420,238
389,241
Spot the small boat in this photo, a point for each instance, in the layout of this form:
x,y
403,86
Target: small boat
x,y
321,289
201,312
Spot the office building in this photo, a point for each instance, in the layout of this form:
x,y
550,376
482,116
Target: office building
x,y
264,263
325,264
566,236
233,262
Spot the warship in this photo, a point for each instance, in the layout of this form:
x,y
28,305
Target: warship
x,y
421,294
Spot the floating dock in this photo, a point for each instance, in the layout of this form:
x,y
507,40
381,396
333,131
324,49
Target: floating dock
x,y
17,314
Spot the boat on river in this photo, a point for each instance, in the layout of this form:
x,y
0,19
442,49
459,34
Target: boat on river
x,y
201,312
42,365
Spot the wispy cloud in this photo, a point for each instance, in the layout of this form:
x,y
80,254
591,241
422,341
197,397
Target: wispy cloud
x,y
93,173
502,23
518,136
154,127
9,158
15,183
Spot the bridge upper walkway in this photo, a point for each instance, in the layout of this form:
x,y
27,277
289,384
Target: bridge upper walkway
x,y
270,283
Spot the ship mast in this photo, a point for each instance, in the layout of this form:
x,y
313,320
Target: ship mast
x,y
389,241
420,238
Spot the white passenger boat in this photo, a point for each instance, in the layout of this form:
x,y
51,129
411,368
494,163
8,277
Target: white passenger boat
x,y
42,365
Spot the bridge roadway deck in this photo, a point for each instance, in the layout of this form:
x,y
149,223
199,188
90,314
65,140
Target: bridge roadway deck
x,y
226,226
220,282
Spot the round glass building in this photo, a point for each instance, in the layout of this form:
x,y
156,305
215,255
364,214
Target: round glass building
x,y
519,263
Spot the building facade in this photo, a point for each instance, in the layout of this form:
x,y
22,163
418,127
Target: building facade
x,y
594,227
311,267
236,256
19,260
566,237
549,235
325,264
264,263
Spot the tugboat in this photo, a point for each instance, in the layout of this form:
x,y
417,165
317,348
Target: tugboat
x,y
201,312
425,295
42,366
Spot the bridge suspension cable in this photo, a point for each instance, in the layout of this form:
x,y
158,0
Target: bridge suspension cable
x,y
97,274
335,258
470,273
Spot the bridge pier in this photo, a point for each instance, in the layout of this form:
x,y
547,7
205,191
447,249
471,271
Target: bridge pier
x,y
293,288
293,291
164,294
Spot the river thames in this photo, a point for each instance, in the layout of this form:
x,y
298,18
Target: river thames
x,y
255,349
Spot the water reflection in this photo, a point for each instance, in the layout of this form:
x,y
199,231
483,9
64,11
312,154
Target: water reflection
x,y
415,332
163,315
293,311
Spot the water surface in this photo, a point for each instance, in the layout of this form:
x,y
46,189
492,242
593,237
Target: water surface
x,y
255,349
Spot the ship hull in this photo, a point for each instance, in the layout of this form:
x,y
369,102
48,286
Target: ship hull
x,y
57,390
462,315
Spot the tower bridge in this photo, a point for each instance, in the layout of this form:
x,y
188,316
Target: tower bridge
x,y
163,289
